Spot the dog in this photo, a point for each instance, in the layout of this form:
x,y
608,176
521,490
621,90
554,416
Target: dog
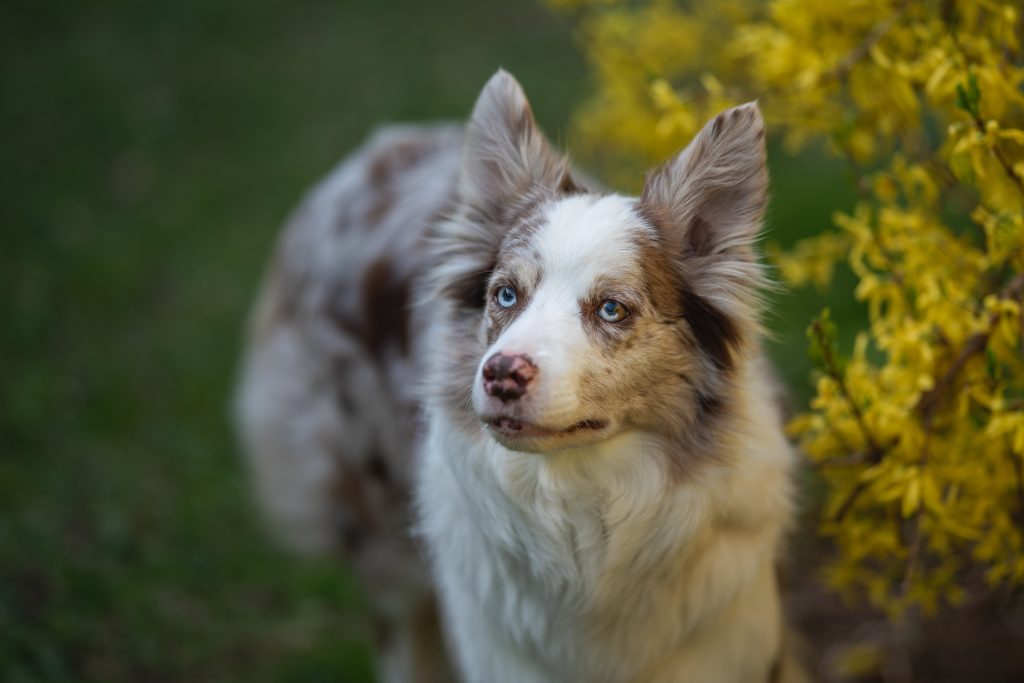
x,y
536,417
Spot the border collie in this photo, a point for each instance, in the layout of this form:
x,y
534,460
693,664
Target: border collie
x,y
535,416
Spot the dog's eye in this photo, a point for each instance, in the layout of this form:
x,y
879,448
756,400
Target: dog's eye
x,y
612,311
506,297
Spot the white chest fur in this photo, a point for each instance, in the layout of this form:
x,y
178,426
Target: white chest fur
x,y
592,566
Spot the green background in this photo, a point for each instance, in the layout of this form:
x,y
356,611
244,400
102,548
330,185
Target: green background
x,y
150,153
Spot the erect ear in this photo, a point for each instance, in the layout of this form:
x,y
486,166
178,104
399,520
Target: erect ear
x,y
505,155
711,197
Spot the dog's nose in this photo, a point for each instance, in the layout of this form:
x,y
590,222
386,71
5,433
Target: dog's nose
x,y
507,375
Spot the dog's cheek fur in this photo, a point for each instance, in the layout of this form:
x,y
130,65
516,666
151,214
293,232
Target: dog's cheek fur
x,y
457,356
662,383
670,371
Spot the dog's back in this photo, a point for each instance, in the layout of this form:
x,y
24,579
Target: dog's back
x,y
326,404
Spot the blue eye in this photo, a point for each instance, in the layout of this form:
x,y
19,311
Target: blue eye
x,y
612,311
506,297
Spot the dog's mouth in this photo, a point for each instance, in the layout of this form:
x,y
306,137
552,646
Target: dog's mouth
x,y
514,428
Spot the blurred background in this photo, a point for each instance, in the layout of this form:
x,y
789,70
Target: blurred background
x,y
151,152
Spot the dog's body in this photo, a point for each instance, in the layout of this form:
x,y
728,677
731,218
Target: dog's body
x,y
577,380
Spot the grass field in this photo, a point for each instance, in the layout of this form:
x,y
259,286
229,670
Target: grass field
x,y
151,152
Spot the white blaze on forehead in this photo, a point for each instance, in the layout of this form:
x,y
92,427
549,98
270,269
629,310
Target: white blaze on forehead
x,y
585,238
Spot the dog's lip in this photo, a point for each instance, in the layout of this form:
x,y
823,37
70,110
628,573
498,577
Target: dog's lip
x,y
515,427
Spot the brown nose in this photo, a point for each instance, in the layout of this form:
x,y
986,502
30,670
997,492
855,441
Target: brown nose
x,y
507,375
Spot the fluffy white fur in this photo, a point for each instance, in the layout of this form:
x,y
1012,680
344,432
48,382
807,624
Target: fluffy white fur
x,y
643,549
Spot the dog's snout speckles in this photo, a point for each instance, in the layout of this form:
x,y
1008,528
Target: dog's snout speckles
x,y
507,376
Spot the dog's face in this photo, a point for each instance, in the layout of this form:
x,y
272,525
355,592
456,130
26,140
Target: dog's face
x,y
578,315
580,342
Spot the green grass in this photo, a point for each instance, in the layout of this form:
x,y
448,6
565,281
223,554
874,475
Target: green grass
x,y
151,151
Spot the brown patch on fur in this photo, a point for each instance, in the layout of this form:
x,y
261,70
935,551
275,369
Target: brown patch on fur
x,y
698,237
350,486
661,274
381,174
568,186
395,158
377,467
470,291
710,407
692,404
714,331
385,302
385,299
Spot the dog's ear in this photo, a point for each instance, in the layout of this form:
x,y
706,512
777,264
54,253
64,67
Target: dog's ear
x,y
506,164
708,204
505,155
712,195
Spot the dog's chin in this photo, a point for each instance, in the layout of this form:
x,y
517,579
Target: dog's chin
x,y
519,435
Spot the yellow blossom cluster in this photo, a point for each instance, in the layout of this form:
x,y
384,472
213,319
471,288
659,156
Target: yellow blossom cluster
x,y
919,433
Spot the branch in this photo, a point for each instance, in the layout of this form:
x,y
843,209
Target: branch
x,y
851,498
979,125
1007,166
913,552
877,32
875,451
874,454
929,402
932,400
1018,472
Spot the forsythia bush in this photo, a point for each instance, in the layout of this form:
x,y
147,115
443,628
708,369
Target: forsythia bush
x,y
919,434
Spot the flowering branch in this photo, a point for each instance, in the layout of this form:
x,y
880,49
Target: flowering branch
x,y
932,399
875,451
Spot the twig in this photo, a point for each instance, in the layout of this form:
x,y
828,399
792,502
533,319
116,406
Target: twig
x,y
914,547
979,125
931,400
874,454
1018,471
913,552
1007,166
877,32
875,451
851,498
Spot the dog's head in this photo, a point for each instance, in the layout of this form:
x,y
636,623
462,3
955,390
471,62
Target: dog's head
x,y
575,315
